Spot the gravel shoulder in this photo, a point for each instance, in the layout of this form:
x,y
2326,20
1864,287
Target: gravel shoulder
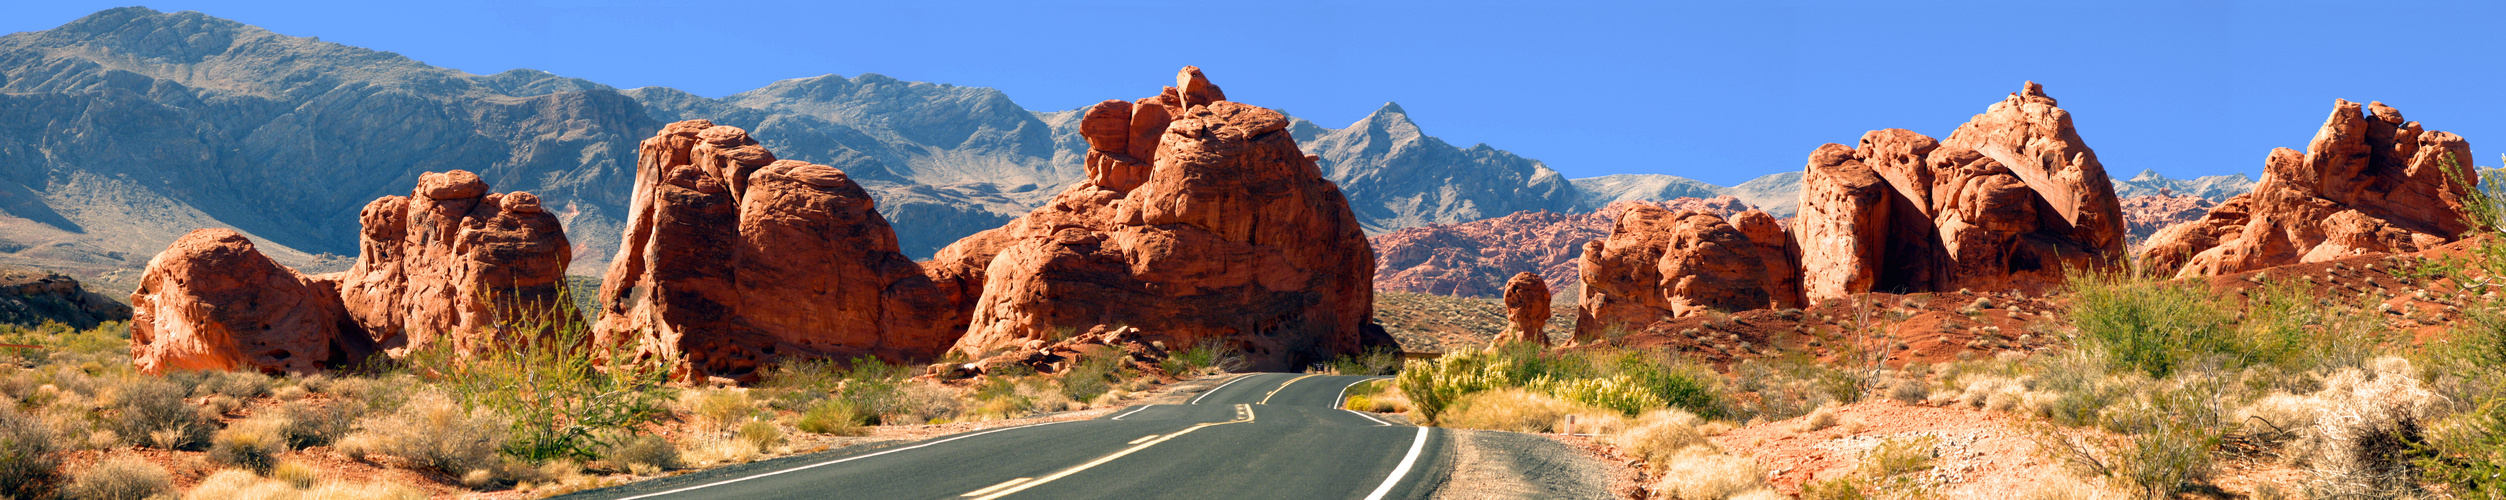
x,y
1507,465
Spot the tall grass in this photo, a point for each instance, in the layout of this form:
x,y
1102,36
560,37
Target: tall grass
x,y
1629,382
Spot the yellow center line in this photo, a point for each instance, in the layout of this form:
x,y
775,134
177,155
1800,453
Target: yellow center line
x,y
1012,482
1282,387
1143,438
1247,410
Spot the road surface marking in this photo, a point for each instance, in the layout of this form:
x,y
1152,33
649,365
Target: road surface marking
x,y
1214,390
1416,444
1144,438
1282,387
1247,410
1012,482
1128,413
837,461
1342,400
1369,418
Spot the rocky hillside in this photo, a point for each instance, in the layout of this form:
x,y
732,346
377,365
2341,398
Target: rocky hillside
x,y
1474,259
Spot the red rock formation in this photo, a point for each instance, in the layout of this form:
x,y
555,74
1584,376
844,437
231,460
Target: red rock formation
x,y
1231,235
453,263
1526,311
1658,264
733,260
2145,215
2369,182
213,302
1905,213
1473,259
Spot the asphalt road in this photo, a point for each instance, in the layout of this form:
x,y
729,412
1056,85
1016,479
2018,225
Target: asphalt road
x,y
1264,435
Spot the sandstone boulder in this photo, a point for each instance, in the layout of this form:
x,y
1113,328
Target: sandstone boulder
x,y
2009,202
213,302
1230,235
733,260
1658,264
1526,311
2369,182
453,263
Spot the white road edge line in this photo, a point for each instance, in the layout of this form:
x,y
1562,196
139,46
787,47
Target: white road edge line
x,y
1012,482
1370,418
1214,390
1128,413
1416,444
837,461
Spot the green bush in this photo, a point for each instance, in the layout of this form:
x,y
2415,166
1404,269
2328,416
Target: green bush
x,y
1092,376
252,444
832,416
2146,325
316,425
29,456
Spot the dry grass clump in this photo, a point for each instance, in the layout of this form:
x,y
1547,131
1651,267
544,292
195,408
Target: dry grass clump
x,y
232,484
433,432
253,444
1658,436
29,459
1705,474
153,411
643,454
1818,420
1519,410
2367,429
120,478
832,416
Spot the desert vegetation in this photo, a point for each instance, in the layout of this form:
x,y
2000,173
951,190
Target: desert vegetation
x,y
2156,388
547,416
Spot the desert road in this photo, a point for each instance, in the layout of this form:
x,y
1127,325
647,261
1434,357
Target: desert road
x,y
1263,435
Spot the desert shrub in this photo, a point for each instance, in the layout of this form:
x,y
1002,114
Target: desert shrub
x,y
29,456
1517,410
435,432
152,410
1817,420
1092,375
1660,435
1705,474
252,444
295,474
237,384
2467,450
1896,456
719,408
923,402
1210,355
832,416
761,434
1378,361
643,454
2147,325
120,478
558,393
311,424
2368,429
873,387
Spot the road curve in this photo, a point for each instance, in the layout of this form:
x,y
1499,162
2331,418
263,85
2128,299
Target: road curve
x,y
1262,435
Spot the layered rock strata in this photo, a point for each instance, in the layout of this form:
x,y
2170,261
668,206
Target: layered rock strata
x,y
733,259
1199,222
2369,182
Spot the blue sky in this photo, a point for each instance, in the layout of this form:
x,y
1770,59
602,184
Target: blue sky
x,y
1717,91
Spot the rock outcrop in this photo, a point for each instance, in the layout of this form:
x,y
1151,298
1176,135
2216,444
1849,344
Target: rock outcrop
x,y
1526,311
2145,215
733,259
1658,264
2008,202
1207,225
31,298
213,302
452,265
2369,182
452,262
1473,259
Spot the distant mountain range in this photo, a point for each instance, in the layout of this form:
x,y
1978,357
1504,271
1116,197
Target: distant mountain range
x,y
124,129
